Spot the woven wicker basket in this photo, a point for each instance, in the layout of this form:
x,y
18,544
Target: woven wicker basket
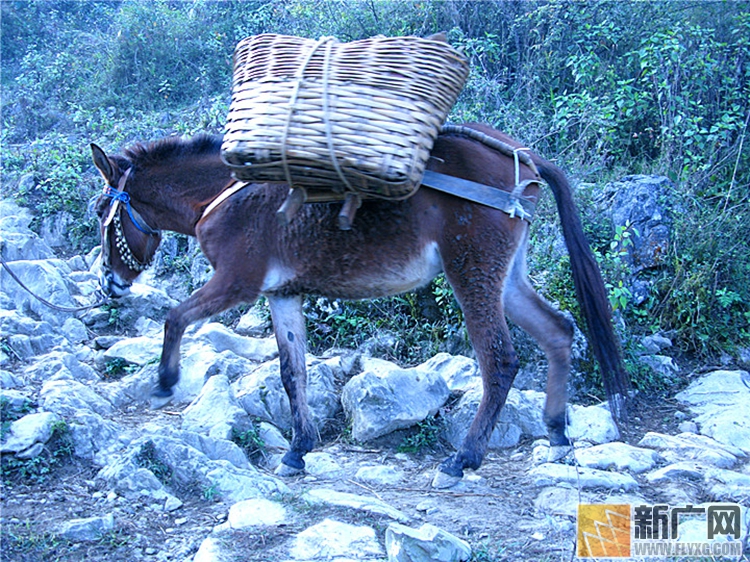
x,y
342,117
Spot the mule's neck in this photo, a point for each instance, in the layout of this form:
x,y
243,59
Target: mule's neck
x,y
172,195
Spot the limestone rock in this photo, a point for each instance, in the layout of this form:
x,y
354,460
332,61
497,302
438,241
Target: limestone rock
x,y
212,549
343,499
458,371
692,447
550,474
639,201
727,485
261,394
379,475
592,423
28,430
332,540
721,401
426,544
384,398
222,339
521,415
88,529
258,512
322,465
136,351
215,411
19,241
68,397
133,474
96,438
620,456
677,471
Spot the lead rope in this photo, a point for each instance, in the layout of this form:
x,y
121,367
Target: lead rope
x,y
578,479
103,300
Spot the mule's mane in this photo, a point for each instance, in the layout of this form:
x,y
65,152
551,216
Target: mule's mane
x,y
172,149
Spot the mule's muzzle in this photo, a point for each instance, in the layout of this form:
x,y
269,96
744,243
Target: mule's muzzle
x,y
112,285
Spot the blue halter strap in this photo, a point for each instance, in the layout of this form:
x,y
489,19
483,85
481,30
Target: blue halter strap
x,y
123,197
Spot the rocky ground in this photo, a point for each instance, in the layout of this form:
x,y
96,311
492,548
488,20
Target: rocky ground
x,y
93,470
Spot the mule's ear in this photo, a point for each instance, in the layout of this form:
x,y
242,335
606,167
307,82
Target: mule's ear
x,y
439,37
103,164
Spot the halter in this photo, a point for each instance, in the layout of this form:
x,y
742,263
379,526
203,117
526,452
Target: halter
x,y
114,221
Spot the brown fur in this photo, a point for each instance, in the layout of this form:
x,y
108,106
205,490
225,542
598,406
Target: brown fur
x,y
392,247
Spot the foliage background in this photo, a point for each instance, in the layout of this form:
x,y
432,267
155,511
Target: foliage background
x,y
605,89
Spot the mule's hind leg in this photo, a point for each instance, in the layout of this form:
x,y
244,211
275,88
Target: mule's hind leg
x,y
289,327
217,295
480,297
554,334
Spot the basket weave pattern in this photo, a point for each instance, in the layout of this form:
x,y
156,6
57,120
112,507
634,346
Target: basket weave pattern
x,y
359,116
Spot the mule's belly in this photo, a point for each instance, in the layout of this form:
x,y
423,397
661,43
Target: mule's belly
x,y
355,276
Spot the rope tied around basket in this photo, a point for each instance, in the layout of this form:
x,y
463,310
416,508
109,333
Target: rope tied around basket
x,y
299,77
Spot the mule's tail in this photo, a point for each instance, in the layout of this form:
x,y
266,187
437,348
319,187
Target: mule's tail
x,y
590,290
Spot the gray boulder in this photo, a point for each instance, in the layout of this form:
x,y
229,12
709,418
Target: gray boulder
x,y
692,447
592,423
385,397
221,338
29,430
459,372
87,529
426,544
333,540
617,455
721,402
45,278
325,496
552,474
640,201
68,397
96,438
521,416
135,473
261,394
258,512
19,241
215,411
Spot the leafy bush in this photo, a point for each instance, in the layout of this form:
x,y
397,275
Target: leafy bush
x,y
250,441
149,458
579,82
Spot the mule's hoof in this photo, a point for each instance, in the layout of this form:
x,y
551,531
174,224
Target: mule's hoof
x,y
160,398
285,471
558,452
443,480
160,392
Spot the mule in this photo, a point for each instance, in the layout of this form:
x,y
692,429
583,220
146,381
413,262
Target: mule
x,y
392,247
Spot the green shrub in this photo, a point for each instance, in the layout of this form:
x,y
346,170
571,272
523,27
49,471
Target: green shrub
x,y
578,82
149,458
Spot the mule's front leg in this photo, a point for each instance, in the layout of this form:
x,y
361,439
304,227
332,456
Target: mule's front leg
x,y
215,296
289,327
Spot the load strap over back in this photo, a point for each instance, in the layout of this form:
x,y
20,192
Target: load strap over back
x,y
513,203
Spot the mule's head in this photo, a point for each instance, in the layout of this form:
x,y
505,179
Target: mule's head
x,y
128,242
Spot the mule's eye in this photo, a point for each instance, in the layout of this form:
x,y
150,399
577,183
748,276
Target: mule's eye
x,y
101,206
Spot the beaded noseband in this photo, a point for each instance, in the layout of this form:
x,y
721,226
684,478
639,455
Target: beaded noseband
x,y
114,220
